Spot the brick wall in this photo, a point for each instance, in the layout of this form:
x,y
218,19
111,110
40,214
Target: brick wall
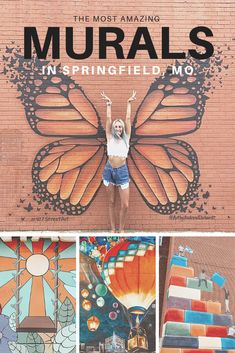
x,y
214,142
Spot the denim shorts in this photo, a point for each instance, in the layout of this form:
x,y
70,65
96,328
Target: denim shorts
x,y
116,176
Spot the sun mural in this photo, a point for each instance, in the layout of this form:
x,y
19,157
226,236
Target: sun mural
x,y
37,277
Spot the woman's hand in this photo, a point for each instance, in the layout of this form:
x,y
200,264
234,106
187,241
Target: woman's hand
x,y
106,99
133,97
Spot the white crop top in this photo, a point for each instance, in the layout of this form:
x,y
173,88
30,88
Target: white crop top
x,y
117,148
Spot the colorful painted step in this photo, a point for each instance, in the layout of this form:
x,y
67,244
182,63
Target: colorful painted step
x,y
173,350
188,282
223,320
181,303
209,342
199,342
186,329
195,305
198,330
197,317
198,305
217,331
178,281
213,307
188,293
179,261
176,329
228,343
180,342
175,315
194,283
179,350
181,271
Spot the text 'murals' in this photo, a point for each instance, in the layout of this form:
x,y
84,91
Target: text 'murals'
x,y
141,41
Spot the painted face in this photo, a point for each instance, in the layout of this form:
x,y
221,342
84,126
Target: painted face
x,y
118,128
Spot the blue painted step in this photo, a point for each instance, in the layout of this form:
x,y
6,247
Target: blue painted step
x,y
179,261
180,342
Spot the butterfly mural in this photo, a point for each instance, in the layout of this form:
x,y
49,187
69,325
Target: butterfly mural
x,y
67,173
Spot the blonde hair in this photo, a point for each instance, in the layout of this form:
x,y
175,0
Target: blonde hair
x,y
114,134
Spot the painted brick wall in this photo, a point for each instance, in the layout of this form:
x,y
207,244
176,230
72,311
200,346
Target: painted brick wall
x,y
213,142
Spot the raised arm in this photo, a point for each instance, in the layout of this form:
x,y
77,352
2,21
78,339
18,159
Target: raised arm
x,y
108,125
128,113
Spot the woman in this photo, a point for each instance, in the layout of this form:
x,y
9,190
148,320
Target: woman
x,y
115,172
226,301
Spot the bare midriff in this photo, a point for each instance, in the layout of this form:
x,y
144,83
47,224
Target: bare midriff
x,y
116,161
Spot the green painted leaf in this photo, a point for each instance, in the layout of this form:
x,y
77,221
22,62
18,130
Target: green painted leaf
x,y
74,350
66,313
22,337
17,348
65,340
35,343
12,321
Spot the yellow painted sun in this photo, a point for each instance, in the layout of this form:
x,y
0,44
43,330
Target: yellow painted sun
x,y
37,265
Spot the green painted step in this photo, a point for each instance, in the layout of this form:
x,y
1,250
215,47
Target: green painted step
x,y
177,329
193,283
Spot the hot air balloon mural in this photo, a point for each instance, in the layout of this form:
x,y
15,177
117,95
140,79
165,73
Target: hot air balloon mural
x,y
126,286
86,304
93,323
129,273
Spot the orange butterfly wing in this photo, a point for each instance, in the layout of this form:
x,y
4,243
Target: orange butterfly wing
x,y
165,170
57,106
173,106
68,173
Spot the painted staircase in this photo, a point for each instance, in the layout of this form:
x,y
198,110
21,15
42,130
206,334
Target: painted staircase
x,y
190,324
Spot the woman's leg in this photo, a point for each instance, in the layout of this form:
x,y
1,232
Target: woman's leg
x,y
124,196
227,310
111,199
